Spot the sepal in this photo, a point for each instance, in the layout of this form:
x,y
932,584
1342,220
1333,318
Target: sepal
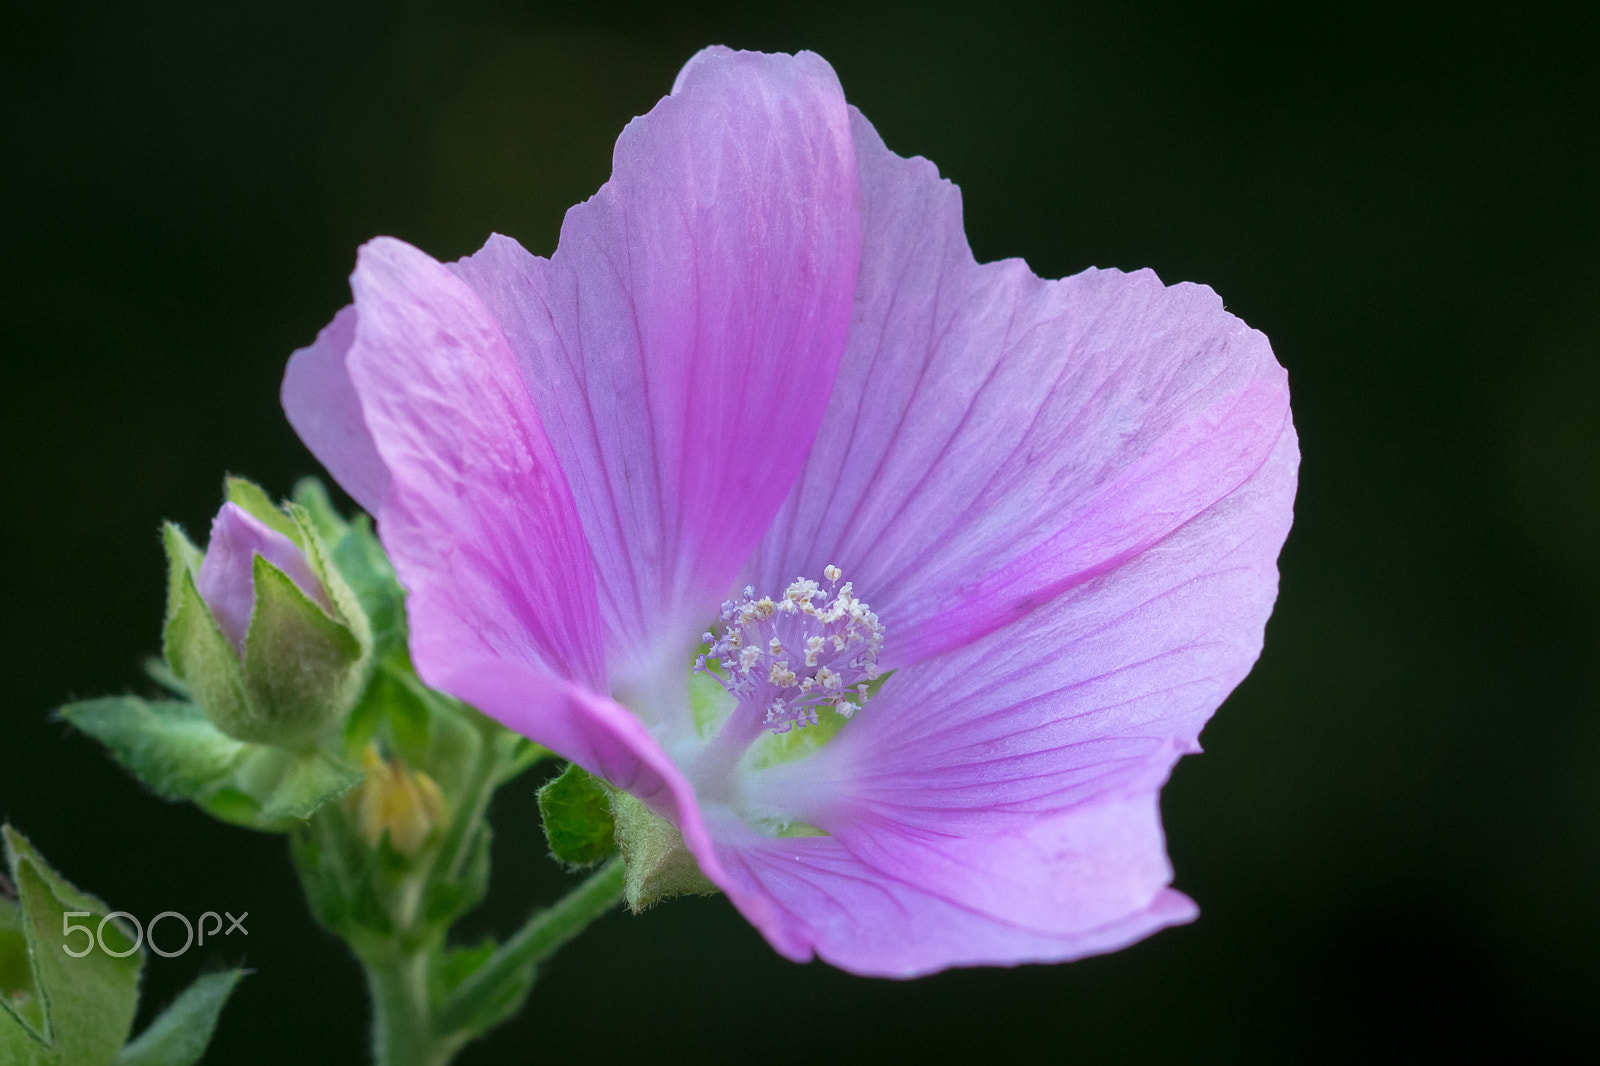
x,y
302,669
202,657
360,562
255,501
659,865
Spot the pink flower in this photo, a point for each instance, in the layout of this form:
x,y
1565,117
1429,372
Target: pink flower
x,y
761,353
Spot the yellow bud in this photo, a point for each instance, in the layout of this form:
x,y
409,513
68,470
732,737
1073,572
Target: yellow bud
x,y
397,800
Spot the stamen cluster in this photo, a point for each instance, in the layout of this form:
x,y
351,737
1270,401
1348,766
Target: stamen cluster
x,y
791,655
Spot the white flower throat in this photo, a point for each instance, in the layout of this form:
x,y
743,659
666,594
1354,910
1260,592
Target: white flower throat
x,y
787,657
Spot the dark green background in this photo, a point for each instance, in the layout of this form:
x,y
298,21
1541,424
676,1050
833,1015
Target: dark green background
x,y
1395,834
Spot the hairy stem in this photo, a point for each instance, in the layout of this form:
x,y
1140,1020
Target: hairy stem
x,y
402,1029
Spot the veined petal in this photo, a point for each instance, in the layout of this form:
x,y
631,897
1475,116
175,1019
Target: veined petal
x,y
877,922
1017,777
325,411
995,439
682,342
477,517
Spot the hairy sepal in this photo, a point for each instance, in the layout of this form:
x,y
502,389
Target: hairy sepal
x,y
658,863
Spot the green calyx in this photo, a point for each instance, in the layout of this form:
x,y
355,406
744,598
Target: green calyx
x,y
303,666
658,862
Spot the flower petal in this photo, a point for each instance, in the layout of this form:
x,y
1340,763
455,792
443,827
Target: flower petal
x,y
325,411
995,439
477,518
874,921
1017,776
681,343
227,573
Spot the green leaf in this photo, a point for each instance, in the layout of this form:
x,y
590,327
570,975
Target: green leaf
x,y
407,714
85,1004
493,1005
361,561
17,991
172,747
178,1037
341,878
234,807
302,668
206,660
455,965
449,900
254,499
310,781
577,817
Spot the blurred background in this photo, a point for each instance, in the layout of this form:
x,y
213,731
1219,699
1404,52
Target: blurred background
x,y
1394,835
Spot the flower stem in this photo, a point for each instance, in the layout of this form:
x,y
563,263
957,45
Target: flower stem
x,y
402,1029
545,932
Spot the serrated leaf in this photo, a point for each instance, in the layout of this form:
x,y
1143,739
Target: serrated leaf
x,y
172,747
179,1035
301,667
310,781
254,499
206,661
576,812
86,1003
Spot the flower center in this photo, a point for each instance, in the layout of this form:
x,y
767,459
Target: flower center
x,y
815,646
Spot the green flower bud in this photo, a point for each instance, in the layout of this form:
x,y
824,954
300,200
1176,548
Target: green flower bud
x,y
267,636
